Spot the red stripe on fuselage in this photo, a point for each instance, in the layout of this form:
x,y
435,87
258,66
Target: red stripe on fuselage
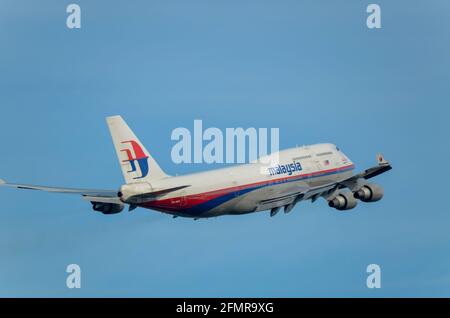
x,y
192,200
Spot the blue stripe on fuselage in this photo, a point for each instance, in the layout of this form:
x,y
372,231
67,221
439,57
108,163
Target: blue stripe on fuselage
x,y
206,206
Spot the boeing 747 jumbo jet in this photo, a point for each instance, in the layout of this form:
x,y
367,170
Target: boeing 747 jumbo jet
x,y
300,174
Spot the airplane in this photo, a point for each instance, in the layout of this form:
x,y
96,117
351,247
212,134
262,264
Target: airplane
x,y
295,175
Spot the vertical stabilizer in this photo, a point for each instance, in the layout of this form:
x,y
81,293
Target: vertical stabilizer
x,y
135,161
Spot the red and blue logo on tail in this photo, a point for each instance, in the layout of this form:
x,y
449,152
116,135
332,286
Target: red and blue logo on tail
x,y
139,157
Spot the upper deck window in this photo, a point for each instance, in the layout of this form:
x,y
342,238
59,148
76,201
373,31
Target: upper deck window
x,y
324,153
302,157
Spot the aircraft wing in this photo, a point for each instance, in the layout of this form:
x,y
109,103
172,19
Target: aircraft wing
x,y
95,195
382,167
83,192
359,178
353,183
288,198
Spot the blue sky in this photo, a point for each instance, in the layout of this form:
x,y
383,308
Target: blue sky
x,y
311,68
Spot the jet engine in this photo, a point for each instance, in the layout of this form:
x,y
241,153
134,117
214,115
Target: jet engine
x,y
107,208
343,201
369,193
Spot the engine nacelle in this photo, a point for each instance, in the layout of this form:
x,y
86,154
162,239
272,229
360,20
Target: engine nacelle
x,y
128,191
343,201
369,193
107,208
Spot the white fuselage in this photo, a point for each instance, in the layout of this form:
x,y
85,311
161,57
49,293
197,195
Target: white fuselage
x,y
274,181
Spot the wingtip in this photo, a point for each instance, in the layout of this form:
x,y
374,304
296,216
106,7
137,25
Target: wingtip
x,y
381,160
111,118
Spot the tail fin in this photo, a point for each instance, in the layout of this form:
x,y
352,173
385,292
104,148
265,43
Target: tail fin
x,y
135,161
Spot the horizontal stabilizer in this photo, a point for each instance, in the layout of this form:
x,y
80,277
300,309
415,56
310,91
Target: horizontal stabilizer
x,y
150,196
